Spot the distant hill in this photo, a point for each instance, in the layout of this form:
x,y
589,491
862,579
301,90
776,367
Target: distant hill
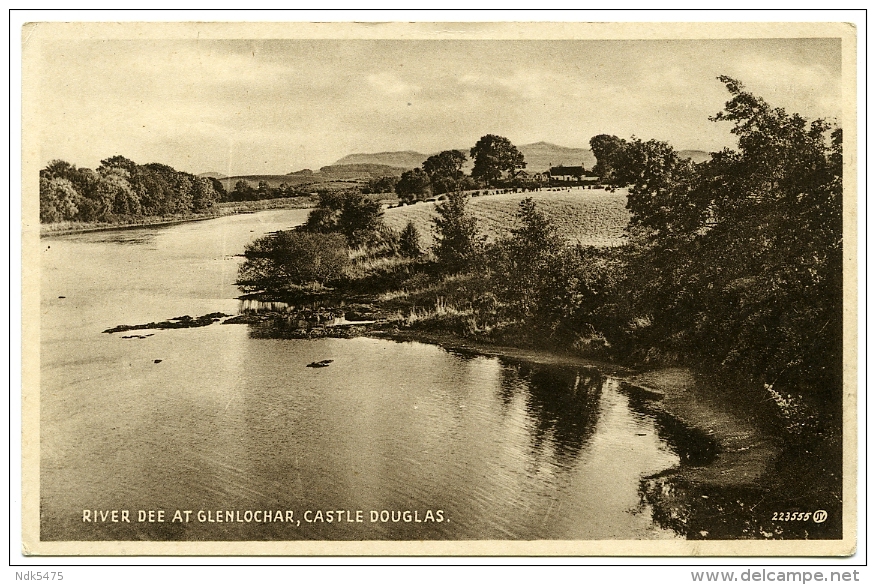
x,y
405,159
213,175
326,175
540,156
361,170
696,156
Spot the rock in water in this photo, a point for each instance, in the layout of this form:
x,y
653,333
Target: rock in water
x,y
320,364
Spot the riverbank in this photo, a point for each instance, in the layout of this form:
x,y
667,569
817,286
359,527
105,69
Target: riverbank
x,y
221,210
735,471
738,461
745,449
536,356
745,452
730,448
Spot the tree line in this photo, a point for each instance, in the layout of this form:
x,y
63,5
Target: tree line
x,y
734,263
121,188
497,162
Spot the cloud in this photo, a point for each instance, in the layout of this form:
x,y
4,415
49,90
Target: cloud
x,y
283,105
809,88
391,84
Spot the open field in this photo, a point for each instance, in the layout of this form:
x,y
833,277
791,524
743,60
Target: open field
x,y
591,217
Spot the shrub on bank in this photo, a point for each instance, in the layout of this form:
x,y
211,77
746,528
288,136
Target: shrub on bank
x,y
294,257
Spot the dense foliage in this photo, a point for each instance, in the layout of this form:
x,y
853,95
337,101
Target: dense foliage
x,y
292,258
358,218
120,188
457,240
445,170
522,261
380,185
738,260
495,158
413,186
244,191
317,252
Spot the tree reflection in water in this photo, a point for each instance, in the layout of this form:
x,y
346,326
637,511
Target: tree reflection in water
x,y
716,510
562,404
698,511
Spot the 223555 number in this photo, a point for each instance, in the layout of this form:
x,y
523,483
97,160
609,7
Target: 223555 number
x,y
817,516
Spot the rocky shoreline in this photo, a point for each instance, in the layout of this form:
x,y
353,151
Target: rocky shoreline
x,y
303,323
184,322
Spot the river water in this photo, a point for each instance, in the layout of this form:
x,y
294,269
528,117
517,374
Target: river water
x,y
419,441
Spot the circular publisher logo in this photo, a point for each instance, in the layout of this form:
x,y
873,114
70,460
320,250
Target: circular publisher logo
x,y
819,516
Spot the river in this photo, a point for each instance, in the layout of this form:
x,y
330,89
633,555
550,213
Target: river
x,y
416,441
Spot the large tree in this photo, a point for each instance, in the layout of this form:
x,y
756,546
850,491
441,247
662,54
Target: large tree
x,y
361,219
358,218
292,257
445,170
413,185
59,200
495,159
606,149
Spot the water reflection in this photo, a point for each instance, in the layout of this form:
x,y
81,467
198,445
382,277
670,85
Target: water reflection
x,y
124,237
256,306
699,510
562,405
694,446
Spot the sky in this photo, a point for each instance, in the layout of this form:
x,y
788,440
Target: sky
x,y
276,106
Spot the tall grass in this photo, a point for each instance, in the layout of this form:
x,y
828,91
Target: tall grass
x,y
441,310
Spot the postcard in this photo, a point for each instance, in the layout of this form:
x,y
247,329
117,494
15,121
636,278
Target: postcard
x,y
439,289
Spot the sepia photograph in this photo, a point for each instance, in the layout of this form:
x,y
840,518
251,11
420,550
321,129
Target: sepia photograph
x,y
439,289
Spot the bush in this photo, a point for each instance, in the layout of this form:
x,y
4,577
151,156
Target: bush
x,y
458,242
357,217
293,258
522,261
409,241
581,297
414,185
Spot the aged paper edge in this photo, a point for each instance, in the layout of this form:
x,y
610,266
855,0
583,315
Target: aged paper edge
x,y
33,34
